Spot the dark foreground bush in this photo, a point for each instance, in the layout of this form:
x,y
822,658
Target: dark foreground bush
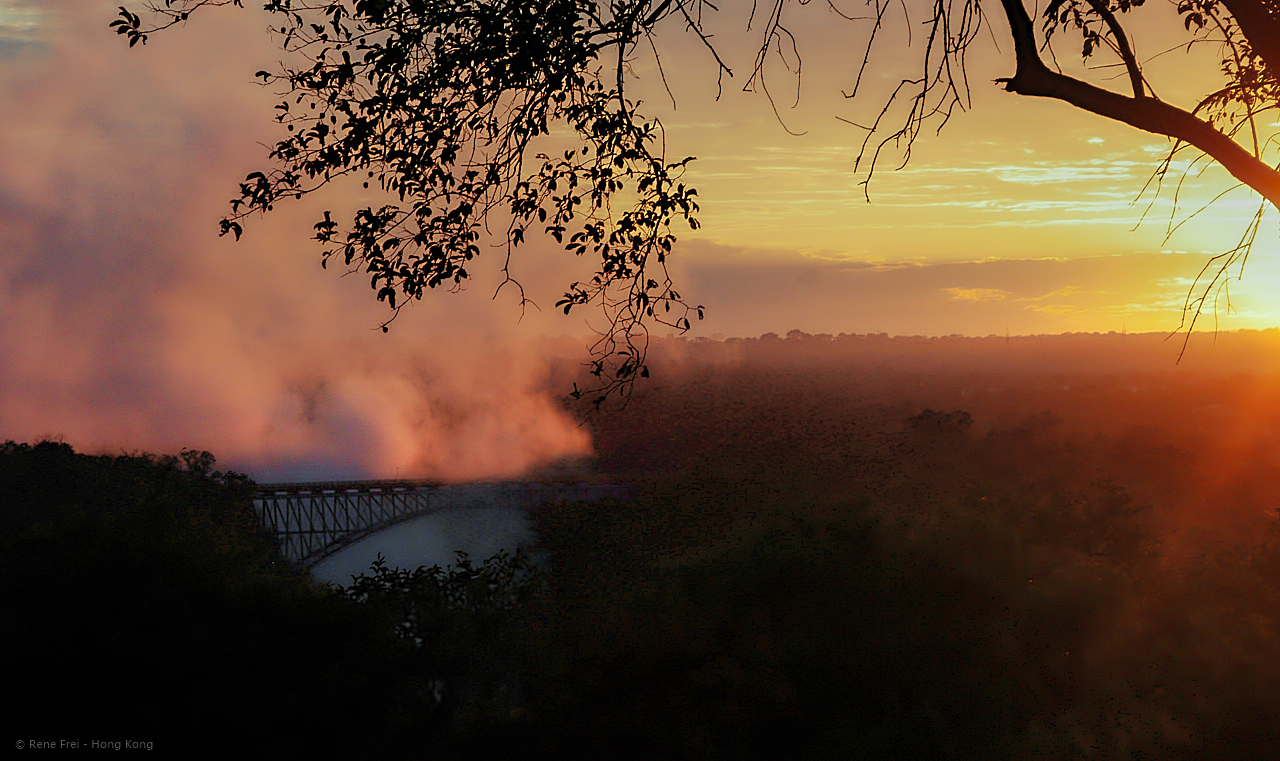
x,y
760,619
805,637
143,602
761,612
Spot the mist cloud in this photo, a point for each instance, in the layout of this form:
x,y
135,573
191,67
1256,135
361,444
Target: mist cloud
x,y
130,325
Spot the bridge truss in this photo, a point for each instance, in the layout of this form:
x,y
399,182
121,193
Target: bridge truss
x,y
313,520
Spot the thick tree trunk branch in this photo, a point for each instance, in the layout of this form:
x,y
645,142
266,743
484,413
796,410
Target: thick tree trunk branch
x,y
1260,26
1034,78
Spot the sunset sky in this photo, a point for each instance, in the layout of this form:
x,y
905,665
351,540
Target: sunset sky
x,y
130,324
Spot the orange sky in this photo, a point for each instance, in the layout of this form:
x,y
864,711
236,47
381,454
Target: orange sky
x,y
1013,179
118,164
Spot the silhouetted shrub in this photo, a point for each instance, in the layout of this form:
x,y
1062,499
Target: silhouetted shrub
x,y
142,602
462,625
941,425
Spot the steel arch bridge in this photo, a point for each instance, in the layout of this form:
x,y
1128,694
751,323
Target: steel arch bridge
x,y
314,520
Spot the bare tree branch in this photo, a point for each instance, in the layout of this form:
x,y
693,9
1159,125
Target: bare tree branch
x,y
1034,78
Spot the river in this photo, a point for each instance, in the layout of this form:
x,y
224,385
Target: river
x,y
480,520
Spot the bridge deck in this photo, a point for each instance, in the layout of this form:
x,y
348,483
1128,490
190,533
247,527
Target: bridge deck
x,y
310,487
313,520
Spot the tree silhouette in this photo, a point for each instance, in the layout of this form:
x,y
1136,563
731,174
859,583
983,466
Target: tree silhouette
x,y
1246,32
441,105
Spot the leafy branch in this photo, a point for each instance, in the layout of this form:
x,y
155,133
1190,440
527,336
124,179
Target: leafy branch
x,y
442,105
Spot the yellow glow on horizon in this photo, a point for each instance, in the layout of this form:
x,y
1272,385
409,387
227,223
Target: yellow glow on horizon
x,y
1011,178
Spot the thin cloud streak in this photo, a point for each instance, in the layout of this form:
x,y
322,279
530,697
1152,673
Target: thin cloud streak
x,y
758,292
